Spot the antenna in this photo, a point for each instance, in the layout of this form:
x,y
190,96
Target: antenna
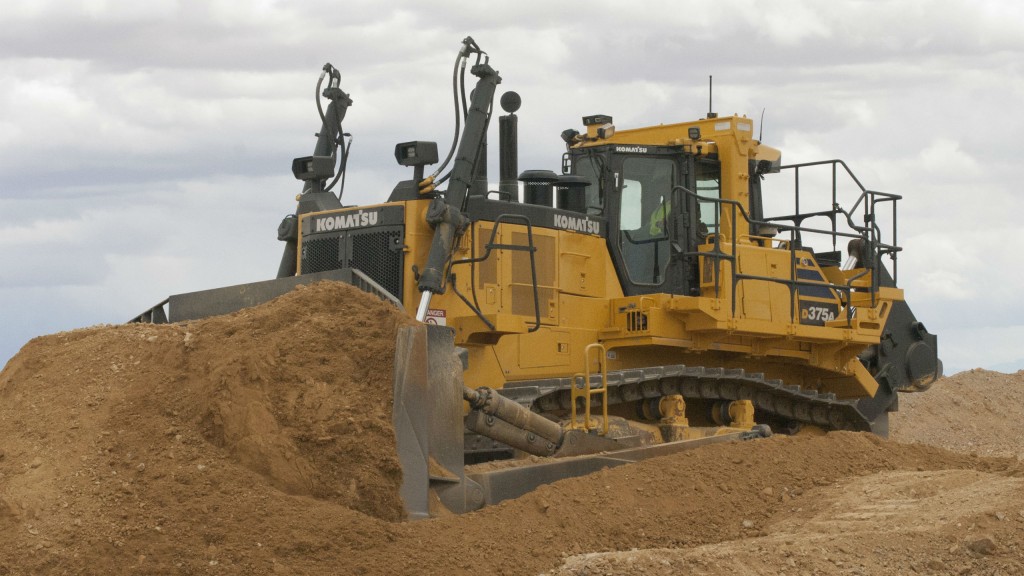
x,y
710,108
760,131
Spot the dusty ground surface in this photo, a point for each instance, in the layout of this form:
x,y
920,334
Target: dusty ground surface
x,y
260,443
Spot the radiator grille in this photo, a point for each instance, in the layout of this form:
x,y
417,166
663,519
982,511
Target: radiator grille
x,y
321,254
377,252
379,256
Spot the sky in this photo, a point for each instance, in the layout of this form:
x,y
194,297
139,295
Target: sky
x,y
145,147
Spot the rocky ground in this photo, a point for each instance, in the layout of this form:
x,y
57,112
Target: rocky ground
x,y
261,443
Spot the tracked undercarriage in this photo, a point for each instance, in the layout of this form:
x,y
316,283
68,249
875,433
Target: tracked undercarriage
x,y
771,397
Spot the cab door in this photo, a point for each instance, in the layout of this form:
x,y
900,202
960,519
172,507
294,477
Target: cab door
x,y
644,213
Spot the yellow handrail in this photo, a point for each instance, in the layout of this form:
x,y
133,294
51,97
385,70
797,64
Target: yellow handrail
x,y
581,389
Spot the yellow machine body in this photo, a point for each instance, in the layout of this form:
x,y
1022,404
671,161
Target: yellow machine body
x,y
581,302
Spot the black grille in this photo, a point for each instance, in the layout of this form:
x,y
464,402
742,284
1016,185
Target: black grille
x,y
379,256
377,252
321,254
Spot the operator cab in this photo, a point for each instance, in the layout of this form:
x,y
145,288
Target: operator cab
x,y
654,227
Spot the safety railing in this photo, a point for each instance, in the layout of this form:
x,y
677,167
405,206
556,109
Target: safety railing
x,y
867,202
874,248
583,391
489,247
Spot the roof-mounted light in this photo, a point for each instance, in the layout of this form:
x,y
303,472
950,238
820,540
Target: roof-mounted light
x,y
597,120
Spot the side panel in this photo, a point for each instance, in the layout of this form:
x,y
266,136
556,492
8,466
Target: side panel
x,y
574,279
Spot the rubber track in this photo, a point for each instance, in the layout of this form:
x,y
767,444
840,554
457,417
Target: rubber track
x,y
771,396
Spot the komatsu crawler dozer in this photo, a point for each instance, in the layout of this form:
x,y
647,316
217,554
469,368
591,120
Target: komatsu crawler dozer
x,y
653,296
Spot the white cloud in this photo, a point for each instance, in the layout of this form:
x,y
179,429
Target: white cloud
x,y
944,159
790,23
937,267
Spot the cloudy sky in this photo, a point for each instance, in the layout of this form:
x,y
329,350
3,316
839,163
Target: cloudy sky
x,y
145,147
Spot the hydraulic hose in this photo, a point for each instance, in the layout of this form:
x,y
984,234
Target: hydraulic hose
x,y
341,164
460,61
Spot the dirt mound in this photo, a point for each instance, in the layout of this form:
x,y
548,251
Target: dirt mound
x,y
261,443
977,411
119,434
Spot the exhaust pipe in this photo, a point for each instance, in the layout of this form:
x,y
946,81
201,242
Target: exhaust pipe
x,y
508,148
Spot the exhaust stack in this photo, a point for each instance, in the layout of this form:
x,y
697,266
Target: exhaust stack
x,y
508,144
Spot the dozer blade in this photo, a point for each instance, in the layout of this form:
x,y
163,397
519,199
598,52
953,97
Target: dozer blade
x,y
512,482
217,301
428,423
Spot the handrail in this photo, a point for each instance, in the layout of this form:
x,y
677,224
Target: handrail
x,y
870,199
490,246
870,232
582,389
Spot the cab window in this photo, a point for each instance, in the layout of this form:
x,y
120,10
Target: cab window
x,y
709,185
589,167
645,208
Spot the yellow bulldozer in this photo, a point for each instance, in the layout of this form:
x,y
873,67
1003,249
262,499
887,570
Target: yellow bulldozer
x,y
642,301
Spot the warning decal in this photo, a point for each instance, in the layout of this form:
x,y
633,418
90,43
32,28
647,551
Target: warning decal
x,y
436,317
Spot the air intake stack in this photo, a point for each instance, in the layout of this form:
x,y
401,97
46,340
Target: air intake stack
x,y
538,186
508,144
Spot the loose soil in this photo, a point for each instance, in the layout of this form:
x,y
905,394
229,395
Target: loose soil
x,y
974,412
260,443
